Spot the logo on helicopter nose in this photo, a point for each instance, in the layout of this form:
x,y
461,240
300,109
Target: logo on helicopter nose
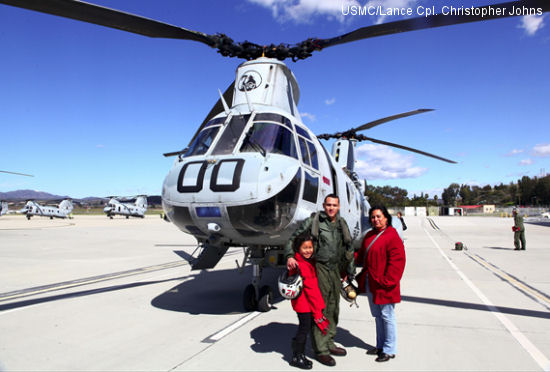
x,y
250,80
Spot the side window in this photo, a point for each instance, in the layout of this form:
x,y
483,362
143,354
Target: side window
x,y
313,155
311,187
305,153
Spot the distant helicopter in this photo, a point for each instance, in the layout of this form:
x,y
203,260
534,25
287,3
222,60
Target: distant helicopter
x,y
32,208
253,171
136,209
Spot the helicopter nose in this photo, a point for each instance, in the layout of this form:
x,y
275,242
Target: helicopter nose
x,y
250,195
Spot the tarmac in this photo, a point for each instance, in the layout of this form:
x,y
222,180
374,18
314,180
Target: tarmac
x,y
93,294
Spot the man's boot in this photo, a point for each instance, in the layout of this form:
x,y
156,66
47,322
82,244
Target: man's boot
x,y
298,357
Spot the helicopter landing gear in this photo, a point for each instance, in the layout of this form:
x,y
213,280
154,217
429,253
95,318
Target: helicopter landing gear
x,y
254,297
266,299
28,217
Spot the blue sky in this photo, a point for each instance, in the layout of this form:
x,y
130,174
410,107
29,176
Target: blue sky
x,y
89,110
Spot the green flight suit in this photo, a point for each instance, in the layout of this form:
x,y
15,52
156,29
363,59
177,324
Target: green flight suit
x,y
519,235
333,255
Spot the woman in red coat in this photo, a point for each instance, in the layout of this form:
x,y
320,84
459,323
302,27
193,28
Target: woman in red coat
x,y
383,257
309,304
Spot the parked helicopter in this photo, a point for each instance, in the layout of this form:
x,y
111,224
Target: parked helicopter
x,y
253,170
116,206
32,208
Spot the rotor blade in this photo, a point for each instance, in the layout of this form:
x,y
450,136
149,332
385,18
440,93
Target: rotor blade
x,y
406,148
374,123
20,174
437,20
110,18
218,107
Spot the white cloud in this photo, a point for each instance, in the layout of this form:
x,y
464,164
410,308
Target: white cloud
x,y
301,11
541,150
307,115
382,163
526,162
390,4
514,152
330,101
532,23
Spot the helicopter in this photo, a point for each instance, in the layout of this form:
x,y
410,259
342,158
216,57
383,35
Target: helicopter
x,y
32,208
253,170
116,206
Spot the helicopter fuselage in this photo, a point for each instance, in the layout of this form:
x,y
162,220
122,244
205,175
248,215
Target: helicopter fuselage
x,y
255,171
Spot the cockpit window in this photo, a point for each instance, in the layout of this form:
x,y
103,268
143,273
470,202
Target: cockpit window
x,y
301,131
215,121
269,138
273,117
231,135
202,142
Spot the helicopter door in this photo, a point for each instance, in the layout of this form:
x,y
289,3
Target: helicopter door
x,y
311,169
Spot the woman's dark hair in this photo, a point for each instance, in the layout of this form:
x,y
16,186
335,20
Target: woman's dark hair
x,y
303,237
384,210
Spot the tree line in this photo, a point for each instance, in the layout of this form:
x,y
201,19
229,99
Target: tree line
x,y
525,192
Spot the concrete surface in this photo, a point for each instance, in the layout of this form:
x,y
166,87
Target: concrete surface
x,y
98,294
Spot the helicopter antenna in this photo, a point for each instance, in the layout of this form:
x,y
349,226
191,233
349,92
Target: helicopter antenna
x,y
225,107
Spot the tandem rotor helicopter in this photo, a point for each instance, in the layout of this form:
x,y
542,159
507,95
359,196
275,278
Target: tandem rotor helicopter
x,y
32,208
136,209
253,170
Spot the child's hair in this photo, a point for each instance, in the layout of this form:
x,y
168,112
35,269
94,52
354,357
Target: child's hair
x,y
303,237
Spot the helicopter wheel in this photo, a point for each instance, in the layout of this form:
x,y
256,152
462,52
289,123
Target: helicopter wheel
x,y
51,218
266,299
127,217
111,217
250,302
29,218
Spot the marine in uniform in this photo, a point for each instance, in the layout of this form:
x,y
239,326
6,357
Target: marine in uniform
x,y
334,256
519,231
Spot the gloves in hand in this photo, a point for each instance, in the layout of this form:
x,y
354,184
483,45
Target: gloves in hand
x,y
322,323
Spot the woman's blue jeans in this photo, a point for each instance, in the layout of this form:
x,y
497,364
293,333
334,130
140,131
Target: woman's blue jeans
x,y
386,328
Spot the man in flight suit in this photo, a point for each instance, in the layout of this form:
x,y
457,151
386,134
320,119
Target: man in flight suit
x,y
333,254
519,231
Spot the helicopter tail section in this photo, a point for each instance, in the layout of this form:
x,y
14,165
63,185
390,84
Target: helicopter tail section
x,y
141,201
66,206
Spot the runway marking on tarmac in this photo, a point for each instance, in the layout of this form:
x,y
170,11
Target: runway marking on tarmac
x,y
85,281
535,353
230,328
523,287
531,292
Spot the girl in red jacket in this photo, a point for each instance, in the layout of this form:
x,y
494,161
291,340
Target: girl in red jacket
x,y
309,304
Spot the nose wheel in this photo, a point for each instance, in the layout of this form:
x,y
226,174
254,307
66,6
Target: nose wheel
x,y
256,298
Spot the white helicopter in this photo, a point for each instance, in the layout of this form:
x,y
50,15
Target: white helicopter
x,y
253,171
116,206
32,208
